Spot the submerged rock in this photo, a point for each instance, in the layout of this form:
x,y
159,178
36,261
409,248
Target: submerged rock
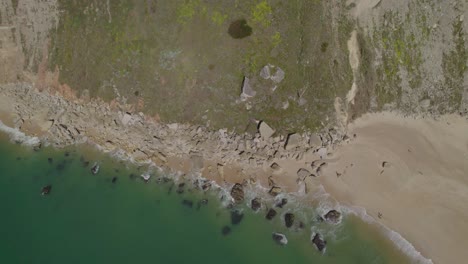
x,y
187,203
271,214
236,217
226,230
114,179
289,219
46,189
237,193
333,216
256,204
180,188
50,160
280,239
319,242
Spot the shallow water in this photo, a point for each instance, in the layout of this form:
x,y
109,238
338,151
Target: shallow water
x,y
88,219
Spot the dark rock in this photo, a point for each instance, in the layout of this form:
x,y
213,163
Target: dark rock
x,y
289,219
114,179
46,189
206,186
187,203
85,163
319,242
271,214
236,217
333,216
66,154
275,190
37,147
204,201
132,176
226,230
256,204
95,168
282,203
280,239
50,160
237,193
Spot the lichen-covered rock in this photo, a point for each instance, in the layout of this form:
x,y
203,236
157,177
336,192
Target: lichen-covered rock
x,y
256,204
289,219
275,190
271,214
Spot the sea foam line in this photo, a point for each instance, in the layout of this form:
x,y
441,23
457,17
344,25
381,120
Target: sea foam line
x,y
18,136
398,240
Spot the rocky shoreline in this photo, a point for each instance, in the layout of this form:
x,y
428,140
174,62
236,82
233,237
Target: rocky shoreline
x,y
218,155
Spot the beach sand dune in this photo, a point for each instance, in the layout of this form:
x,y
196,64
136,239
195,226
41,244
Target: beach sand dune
x,y
412,176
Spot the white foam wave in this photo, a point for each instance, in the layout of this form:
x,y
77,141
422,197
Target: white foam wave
x,y
400,242
18,136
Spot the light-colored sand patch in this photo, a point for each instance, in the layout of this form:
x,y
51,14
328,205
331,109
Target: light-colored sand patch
x,y
412,176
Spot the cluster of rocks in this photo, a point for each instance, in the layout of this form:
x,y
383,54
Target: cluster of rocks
x,y
65,122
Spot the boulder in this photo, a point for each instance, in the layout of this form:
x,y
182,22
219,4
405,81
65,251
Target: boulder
x,y
293,141
315,140
247,91
271,214
256,204
282,203
236,217
275,190
265,130
333,216
280,239
265,72
319,242
126,119
289,219
303,173
237,193
278,76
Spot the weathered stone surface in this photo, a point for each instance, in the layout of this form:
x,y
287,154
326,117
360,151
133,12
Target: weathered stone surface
x,y
271,214
315,140
126,119
197,162
289,219
265,72
333,216
247,91
256,204
293,141
280,238
303,173
275,190
237,193
319,242
265,130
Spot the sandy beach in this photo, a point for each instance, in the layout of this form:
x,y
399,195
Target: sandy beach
x,y
412,176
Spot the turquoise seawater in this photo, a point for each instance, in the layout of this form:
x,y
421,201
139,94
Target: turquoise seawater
x,y
87,218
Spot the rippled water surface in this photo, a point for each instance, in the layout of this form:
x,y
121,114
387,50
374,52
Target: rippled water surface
x,y
89,218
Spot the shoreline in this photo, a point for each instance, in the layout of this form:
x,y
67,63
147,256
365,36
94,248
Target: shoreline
x,y
49,117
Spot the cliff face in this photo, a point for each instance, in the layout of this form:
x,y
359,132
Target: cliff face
x,y
307,64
